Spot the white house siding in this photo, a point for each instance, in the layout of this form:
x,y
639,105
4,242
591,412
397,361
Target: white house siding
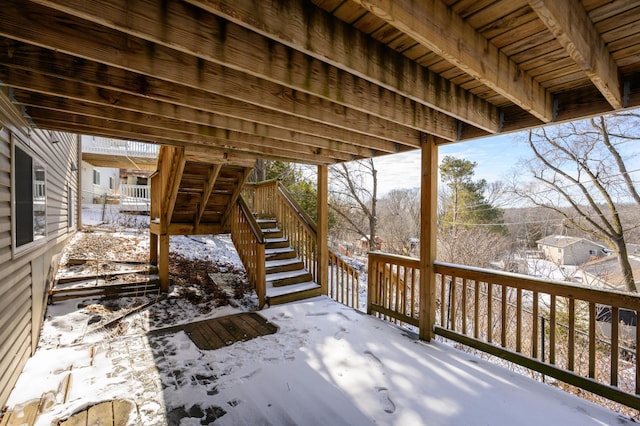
x,y
578,252
90,190
25,276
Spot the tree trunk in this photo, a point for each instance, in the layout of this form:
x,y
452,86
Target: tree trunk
x,y
625,265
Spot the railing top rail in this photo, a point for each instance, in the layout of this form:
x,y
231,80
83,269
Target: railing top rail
x,y
395,257
263,183
253,224
557,288
304,217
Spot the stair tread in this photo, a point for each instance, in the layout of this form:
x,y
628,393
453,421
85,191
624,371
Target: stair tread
x,y
282,262
288,289
287,274
266,220
277,250
276,240
270,230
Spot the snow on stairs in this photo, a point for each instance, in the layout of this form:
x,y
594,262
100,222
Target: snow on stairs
x,y
287,279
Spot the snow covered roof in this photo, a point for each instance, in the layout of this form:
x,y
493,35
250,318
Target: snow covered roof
x,y
561,241
608,269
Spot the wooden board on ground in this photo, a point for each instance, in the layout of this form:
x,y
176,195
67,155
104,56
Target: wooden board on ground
x,y
224,331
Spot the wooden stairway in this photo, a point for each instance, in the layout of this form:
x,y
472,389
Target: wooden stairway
x,y
287,279
193,192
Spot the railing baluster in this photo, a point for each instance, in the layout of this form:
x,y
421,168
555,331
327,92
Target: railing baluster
x,y
503,317
572,335
452,303
552,329
615,323
443,300
489,312
637,353
519,320
476,310
592,340
534,324
464,305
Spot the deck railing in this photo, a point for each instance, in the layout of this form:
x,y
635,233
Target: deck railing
x,y
394,283
249,242
343,281
135,191
554,328
272,199
98,145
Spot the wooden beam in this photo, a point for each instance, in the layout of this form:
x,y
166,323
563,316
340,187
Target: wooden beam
x,y
572,27
428,236
214,170
153,248
163,262
189,229
213,39
208,124
323,229
40,70
434,25
178,161
101,127
309,29
86,40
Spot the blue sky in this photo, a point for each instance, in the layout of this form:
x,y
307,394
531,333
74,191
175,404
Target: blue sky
x,y
497,157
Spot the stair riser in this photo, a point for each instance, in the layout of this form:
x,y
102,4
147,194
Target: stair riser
x,y
293,297
268,224
285,268
273,234
277,244
292,280
281,256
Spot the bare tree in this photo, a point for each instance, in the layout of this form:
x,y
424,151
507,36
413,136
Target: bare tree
x,y
354,197
579,166
399,223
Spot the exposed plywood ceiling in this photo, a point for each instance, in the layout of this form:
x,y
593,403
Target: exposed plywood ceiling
x,y
319,81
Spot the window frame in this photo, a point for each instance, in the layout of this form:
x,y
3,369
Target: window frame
x,y
37,239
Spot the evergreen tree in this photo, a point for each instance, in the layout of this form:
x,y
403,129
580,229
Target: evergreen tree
x,y
464,203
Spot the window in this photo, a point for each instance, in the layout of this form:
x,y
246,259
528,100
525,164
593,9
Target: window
x,y
111,182
96,177
29,197
593,253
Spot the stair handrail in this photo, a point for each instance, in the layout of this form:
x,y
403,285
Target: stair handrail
x,y
305,219
251,220
249,241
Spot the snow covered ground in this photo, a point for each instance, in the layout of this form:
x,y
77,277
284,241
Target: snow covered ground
x,y
327,365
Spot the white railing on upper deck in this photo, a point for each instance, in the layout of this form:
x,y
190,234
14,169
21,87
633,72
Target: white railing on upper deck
x,y
135,191
109,146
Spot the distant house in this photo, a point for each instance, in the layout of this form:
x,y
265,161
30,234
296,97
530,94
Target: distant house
x,y
98,182
569,250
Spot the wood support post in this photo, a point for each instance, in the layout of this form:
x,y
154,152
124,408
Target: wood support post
x,y
163,263
323,228
428,235
153,248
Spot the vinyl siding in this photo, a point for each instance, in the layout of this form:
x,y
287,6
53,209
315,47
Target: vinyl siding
x,y
24,275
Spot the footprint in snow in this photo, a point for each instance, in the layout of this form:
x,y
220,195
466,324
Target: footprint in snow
x,y
387,404
340,334
345,316
317,314
373,357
